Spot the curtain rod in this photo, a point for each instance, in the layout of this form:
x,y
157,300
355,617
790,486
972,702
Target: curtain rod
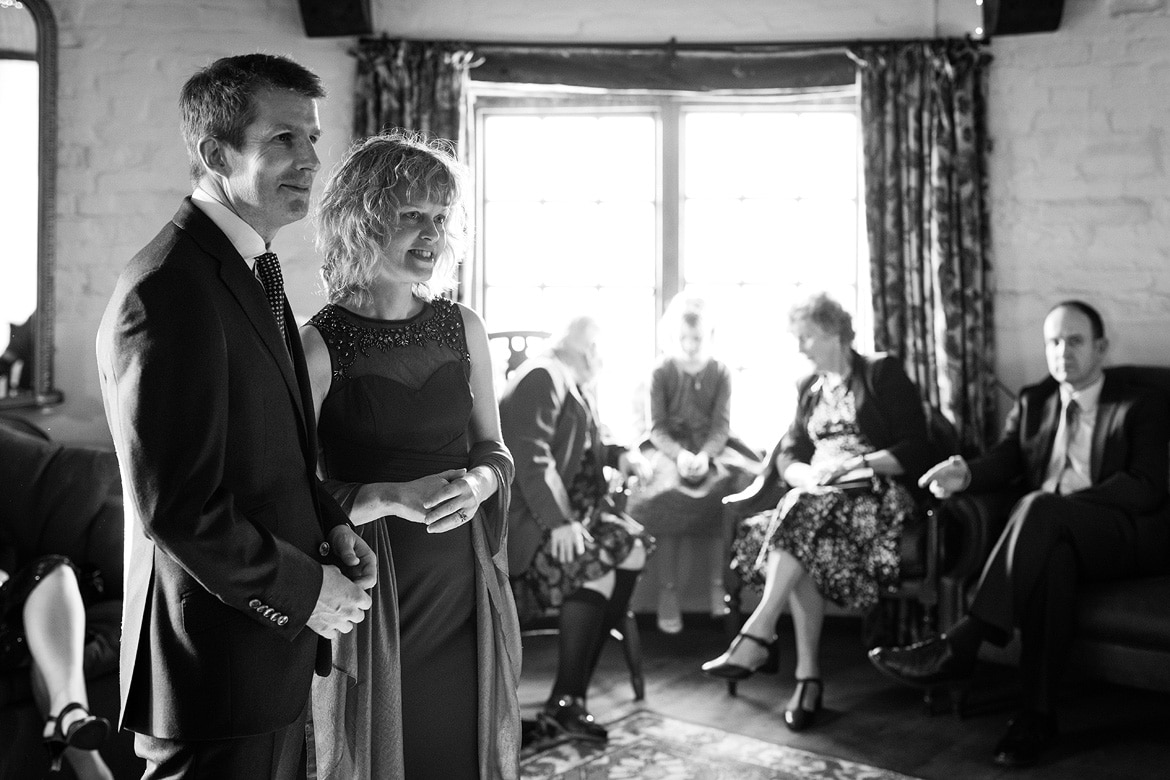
x,y
672,45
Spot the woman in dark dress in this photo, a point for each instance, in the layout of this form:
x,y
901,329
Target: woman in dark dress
x,y
425,687
850,459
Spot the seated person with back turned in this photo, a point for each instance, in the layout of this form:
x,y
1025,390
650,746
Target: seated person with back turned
x,y
849,460
1089,454
566,544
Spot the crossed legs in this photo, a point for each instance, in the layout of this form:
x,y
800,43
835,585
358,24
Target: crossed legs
x,y
785,581
54,625
1049,545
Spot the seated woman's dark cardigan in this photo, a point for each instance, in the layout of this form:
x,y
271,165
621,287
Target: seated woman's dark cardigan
x,y
889,414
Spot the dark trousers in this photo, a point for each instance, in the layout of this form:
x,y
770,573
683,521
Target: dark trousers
x,y
278,755
1049,546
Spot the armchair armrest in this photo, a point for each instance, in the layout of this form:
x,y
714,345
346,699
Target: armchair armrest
x,y
762,494
970,524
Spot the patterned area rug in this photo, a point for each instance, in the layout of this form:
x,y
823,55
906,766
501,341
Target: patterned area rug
x,y
647,746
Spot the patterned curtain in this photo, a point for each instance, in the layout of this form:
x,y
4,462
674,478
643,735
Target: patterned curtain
x,y
415,85
925,145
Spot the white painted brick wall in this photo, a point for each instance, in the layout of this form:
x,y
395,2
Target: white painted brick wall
x,y
1079,175
123,168
1080,179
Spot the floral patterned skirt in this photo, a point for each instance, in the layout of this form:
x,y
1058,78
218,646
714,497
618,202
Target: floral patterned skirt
x,y
614,535
847,540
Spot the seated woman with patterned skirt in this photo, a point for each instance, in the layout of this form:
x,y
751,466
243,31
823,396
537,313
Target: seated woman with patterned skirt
x,y
849,461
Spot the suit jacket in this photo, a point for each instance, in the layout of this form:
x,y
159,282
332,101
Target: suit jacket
x,y
547,422
225,518
1128,457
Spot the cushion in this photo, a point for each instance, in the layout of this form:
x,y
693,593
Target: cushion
x,y
1127,612
65,487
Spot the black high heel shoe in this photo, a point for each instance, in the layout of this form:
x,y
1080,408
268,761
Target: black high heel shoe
x,y
728,671
86,733
799,719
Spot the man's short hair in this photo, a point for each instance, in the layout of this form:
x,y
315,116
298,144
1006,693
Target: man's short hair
x,y
218,100
1096,324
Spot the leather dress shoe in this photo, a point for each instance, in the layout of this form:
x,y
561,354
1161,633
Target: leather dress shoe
x,y
723,668
927,663
1028,734
800,717
568,716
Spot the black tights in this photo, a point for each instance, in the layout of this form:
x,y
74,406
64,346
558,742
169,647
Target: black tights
x,y
586,617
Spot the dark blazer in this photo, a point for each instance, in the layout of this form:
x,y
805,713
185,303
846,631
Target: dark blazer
x,y
547,423
889,413
1129,459
225,518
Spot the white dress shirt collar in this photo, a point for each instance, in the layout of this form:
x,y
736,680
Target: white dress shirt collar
x,y
1086,398
242,235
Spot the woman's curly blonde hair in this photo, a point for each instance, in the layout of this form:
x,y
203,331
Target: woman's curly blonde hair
x,y
358,212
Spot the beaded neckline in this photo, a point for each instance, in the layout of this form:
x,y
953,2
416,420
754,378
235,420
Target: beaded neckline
x,y
349,333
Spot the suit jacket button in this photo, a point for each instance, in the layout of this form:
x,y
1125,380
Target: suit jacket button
x,y
268,612
324,549
255,604
283,619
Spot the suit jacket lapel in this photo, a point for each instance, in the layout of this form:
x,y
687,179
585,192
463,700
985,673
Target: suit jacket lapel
x,y
303,385
249,293
1107,407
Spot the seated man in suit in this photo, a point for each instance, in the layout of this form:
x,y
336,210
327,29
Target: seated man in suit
x,y
1090,453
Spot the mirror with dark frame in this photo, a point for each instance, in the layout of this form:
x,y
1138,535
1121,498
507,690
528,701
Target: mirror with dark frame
x,y
28,82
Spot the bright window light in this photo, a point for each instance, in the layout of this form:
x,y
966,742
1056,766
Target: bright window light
x,y
576,211
19,192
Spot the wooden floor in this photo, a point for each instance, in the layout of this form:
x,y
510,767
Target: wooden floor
x,y
1107,731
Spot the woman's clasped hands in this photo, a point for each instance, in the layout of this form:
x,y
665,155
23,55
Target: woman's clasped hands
x,y
442,501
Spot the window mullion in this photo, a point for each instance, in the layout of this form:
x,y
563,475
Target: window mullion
x,y
669,261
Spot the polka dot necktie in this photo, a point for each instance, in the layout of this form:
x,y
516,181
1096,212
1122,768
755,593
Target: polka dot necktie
x,y
268,270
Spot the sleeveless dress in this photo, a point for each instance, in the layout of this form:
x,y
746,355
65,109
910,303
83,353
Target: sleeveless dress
x,y
846,539
397,410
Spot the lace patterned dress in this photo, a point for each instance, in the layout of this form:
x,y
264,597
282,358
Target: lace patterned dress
x,y
846,539
398,409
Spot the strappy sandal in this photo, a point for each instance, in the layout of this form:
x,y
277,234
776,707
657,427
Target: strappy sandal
x,y
724,669
86,733
799,719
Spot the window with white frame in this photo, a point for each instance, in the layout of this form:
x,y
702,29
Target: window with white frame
x,y
612,205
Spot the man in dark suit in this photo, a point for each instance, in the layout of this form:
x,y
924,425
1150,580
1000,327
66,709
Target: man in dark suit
x,y
1089,454
239,567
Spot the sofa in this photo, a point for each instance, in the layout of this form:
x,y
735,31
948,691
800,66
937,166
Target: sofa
x,y
1123,628
65,500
